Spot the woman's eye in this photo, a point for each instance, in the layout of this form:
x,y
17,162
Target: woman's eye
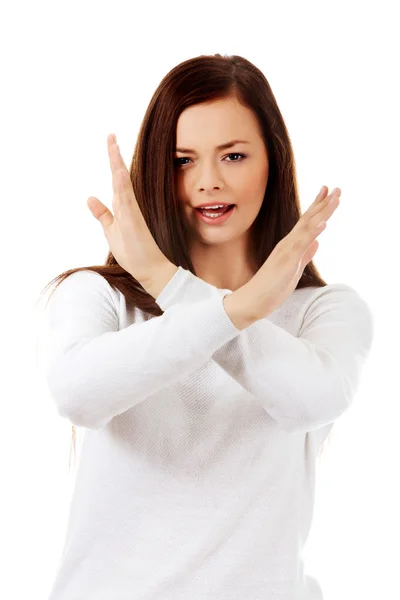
x,y
179,164
236,154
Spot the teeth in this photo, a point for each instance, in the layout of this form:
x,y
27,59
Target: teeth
x,y
216,206
212,215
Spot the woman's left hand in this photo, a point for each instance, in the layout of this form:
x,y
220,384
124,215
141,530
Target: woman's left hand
x,y
278,277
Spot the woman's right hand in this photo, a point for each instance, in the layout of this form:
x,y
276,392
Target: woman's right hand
x,y
126,231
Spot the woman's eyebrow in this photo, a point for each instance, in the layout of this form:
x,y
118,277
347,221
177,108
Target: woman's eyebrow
x,y
220,147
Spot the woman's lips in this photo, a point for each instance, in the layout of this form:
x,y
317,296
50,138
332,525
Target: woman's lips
x,y
215,220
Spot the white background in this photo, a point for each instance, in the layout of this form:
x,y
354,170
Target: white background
x,y
72,73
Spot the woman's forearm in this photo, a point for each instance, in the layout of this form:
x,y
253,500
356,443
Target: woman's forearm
x,y
161,276
246,305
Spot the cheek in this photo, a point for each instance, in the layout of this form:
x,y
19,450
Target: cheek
x,y
252,190
253,178
258,184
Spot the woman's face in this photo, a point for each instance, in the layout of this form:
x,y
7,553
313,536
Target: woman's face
x,y
206,174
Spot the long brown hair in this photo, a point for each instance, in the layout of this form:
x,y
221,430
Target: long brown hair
x,y
203,79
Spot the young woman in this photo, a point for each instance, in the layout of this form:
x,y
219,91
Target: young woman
x,y
206,360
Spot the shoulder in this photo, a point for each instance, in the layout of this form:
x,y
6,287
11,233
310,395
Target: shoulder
x,y
339,302
85,287
335,293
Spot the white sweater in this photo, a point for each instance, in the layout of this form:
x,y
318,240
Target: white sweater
x,y
197,468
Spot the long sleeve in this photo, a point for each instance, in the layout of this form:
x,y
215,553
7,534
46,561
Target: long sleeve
x,y
303,381
94,371
307,381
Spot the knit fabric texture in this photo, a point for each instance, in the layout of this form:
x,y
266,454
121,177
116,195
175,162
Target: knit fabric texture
x,y
196,475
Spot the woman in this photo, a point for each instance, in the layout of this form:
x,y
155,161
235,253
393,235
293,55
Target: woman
x,y
207,360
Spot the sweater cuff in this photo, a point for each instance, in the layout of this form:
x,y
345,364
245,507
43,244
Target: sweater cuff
x,y
186,288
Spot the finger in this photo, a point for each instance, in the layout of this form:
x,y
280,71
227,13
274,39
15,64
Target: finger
x,y
328,206
313,222
317,223
313,209
100,211
320,201
322,194
121,181
321,209
336,192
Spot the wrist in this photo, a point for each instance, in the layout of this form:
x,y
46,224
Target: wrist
x,y
161,276
247,304
239,308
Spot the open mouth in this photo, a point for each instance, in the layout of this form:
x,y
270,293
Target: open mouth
x,y
217,215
